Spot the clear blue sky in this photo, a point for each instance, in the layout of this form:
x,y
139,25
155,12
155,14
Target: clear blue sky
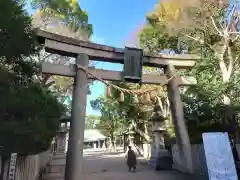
x,y
113,22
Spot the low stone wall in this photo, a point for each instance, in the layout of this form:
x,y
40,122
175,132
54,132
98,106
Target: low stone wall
x,y
198,155
29,167
199,161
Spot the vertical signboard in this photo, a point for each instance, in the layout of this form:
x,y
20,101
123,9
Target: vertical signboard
x,y
12,166
133,61
219,157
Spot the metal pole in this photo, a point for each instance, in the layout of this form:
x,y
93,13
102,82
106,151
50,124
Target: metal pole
x,y
74,161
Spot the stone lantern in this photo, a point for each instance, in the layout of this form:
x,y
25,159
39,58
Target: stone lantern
x,y
158,128
61,138
129,137
158,151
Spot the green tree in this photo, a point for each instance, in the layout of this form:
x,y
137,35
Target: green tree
x,y
91,121
110,123
68,12
30,114
52,22
209,29
15,29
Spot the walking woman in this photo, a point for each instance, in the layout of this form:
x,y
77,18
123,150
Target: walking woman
x,y
131,160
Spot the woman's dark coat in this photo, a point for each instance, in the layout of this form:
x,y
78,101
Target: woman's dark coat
x,y
131,158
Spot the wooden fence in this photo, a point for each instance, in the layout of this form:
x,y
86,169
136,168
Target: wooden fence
x,y
29,167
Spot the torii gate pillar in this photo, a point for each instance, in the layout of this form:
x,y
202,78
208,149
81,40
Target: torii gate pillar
x,y
176,107
74,162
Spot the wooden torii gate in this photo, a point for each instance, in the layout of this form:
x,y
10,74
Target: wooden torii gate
x,y
85,51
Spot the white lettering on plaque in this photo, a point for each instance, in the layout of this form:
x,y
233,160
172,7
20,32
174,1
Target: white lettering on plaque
x,y
219,157
12,166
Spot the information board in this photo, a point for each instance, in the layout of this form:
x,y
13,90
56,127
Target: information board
x,y
219,157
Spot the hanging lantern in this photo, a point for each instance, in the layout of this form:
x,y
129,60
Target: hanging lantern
x,y
135,99
108,91
121,99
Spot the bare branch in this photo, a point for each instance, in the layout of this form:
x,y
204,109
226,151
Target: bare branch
x,y
195,39
215,26
201,41
234,33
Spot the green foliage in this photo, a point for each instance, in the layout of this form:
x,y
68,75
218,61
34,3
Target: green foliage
x,y
91,121
118,117
29,113
30,116
16,38
68,12
155,39
193,32
110,123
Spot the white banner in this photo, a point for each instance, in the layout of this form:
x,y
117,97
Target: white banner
x,y
219,157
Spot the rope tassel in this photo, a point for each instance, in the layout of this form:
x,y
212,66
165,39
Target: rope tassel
x,y
121,97
135,99
147,97
108,92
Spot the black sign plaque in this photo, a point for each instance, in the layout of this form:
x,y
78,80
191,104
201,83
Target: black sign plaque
x,y
133,61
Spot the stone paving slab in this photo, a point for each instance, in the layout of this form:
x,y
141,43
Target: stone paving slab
x,y
112,166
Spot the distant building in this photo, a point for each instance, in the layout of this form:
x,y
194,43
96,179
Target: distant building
x,y
93,139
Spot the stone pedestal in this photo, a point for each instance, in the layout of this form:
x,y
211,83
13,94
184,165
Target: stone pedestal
x,y
61,138
61,142
158,129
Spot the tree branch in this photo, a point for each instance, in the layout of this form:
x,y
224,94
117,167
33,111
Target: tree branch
x,y
230,66
195,39
144,135
215,26
201,41
221,60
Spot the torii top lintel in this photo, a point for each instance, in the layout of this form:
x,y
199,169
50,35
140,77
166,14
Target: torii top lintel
x,y
67,46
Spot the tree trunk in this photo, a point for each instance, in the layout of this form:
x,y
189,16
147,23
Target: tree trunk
x,y
226,75
112,142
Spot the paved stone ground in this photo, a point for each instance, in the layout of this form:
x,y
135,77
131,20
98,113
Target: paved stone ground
x,y
102,166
